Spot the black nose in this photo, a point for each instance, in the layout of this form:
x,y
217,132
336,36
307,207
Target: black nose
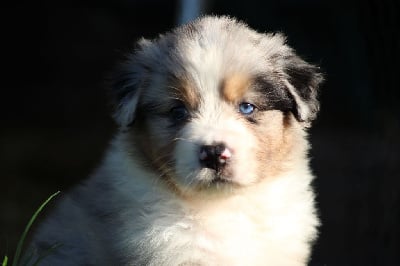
x,y
214,156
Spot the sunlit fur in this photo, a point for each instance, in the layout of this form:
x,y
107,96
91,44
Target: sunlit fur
x,y
152,202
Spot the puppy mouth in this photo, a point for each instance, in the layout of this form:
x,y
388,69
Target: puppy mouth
x,y
219,180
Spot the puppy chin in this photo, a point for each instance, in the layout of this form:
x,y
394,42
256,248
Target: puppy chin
x,y
209,179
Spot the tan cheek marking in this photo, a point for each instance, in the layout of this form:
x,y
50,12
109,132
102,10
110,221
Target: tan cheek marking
x,y
278,140
234,87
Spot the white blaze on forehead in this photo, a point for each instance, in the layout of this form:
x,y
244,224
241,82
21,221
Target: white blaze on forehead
x,y
204,65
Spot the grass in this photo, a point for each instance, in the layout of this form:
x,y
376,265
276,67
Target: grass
x,y
5,261
18,251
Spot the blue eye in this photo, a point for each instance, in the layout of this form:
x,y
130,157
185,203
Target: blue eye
x,y
246,108
179,113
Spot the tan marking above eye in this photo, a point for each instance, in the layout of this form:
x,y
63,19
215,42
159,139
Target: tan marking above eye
x,y
185,91
234,87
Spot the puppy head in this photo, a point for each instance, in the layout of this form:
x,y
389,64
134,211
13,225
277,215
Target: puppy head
x,y
215,104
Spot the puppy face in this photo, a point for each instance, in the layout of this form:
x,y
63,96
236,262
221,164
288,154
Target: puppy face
x,y
214,104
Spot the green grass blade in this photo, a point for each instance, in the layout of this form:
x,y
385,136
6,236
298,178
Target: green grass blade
x,y
5,261
28,226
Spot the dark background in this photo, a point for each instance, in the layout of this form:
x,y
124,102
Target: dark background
x,y
55,122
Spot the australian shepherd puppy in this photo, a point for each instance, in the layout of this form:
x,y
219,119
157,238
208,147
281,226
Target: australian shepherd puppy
x,y
209,166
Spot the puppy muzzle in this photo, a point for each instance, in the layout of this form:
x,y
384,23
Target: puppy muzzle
x,y
215,156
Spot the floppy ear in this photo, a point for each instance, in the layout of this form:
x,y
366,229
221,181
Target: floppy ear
x,y
303,80
127,84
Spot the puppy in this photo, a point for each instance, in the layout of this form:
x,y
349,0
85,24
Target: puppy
x,y
209,166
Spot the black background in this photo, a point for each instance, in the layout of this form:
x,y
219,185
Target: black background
x,y
55,122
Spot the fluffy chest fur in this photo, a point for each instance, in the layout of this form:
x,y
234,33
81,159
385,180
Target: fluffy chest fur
x,y
271,222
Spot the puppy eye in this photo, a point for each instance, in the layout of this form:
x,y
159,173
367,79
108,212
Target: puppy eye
x,y
179,113
246,108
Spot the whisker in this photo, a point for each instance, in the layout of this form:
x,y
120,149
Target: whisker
x,y
184,139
